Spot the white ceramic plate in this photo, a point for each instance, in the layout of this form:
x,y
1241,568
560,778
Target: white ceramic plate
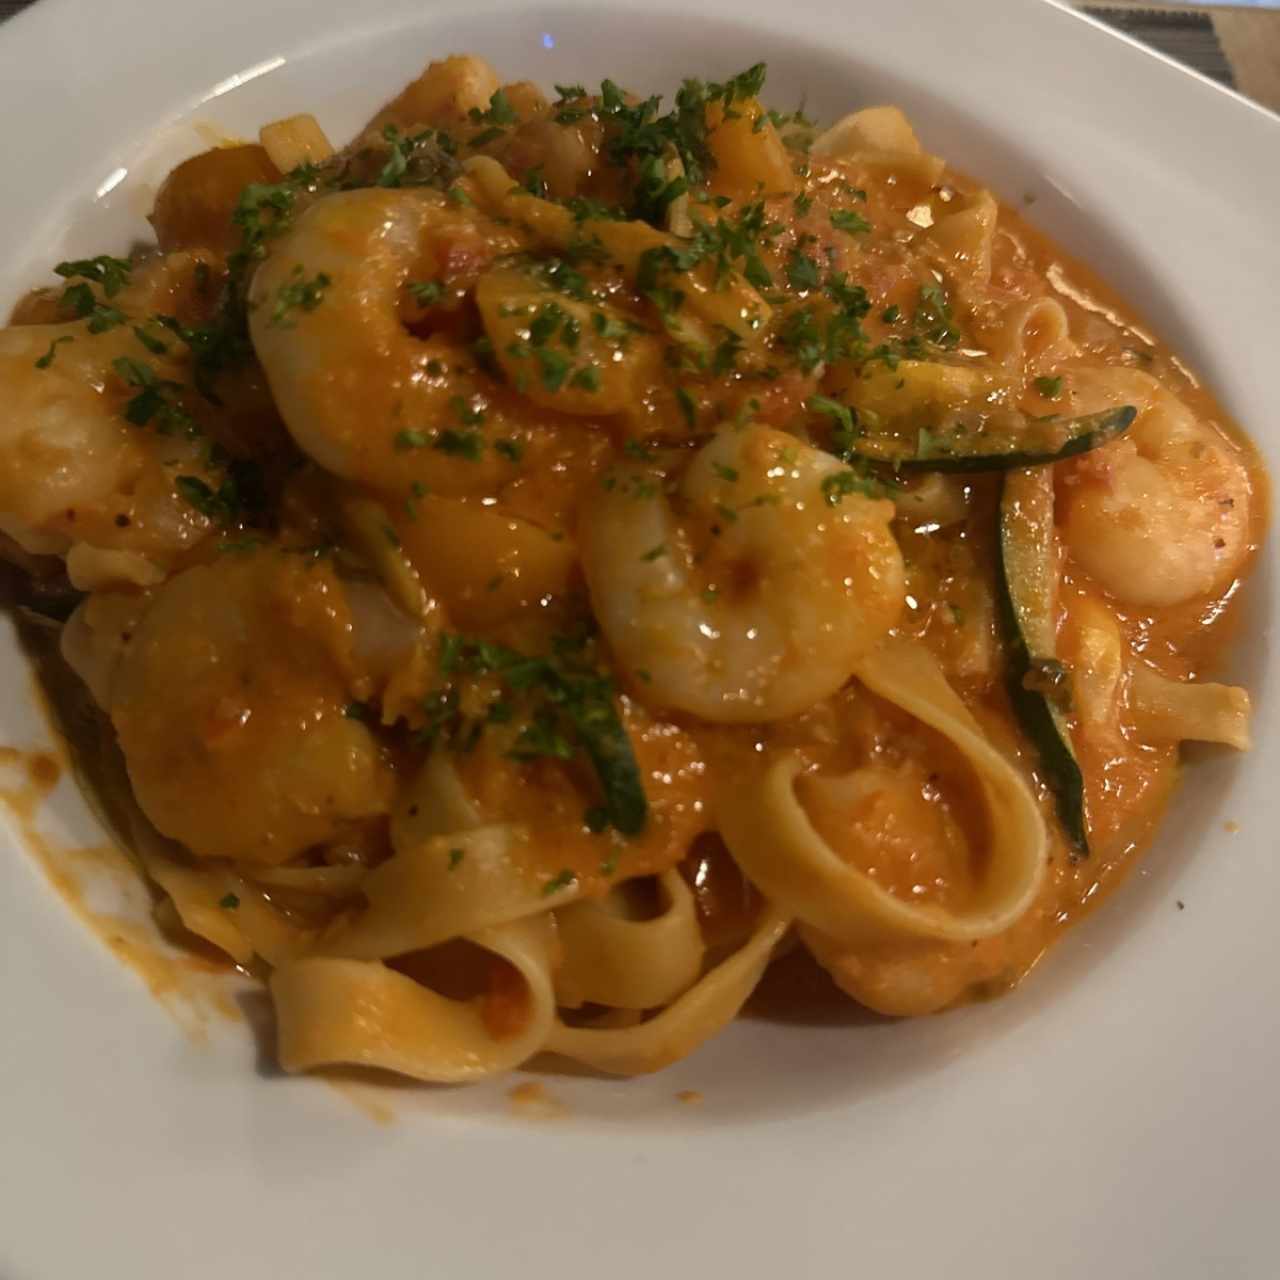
x,y
1116,1117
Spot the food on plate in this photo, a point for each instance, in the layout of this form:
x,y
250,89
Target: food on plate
x,y
553,556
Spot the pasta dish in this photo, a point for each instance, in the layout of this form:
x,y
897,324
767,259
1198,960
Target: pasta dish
x,y
543,562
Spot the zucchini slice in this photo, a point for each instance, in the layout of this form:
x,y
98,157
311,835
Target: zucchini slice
x,y
1039,685
992,446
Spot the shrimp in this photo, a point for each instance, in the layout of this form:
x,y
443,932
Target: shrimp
x,y
227,688
358,391
1162,515
73,469
760,601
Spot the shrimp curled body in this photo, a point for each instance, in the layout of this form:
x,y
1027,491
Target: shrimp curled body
x,y
227,691
73,470
1162,515
760,598
358,390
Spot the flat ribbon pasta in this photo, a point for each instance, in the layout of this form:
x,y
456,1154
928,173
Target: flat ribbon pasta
x,y
703,1010
446,887
629,964
202,896
435,803
774,842
332,1011
879,137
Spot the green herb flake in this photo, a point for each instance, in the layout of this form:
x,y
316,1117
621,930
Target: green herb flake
x,y
148,340
933,316
456,856
298,294
411,439
240,546
462,444
553,368
426,293
111,273
839,485
229,902
847,220
47,359
687,406
843,430
559,882
1050,388
500,111
223,504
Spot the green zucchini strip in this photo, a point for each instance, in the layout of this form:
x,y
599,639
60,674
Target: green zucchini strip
x,y
1038,443
1039,685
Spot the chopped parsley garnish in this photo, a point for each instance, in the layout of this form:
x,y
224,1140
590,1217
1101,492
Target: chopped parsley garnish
x,y
462,444
358,711
80,301
687,406
408,438
803,203
839,485
933,316
149,340
816,336
654,552
229,902
843,429
240,546
570,709
564,278
535,182
654,191
512,450
561,880
426,292
298,294
221,504
802,271
154,401
639,138
1050,388
587,378
500,111
847,220
467,415
553,367
419,159
111,273
47,359
891,315
456,856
